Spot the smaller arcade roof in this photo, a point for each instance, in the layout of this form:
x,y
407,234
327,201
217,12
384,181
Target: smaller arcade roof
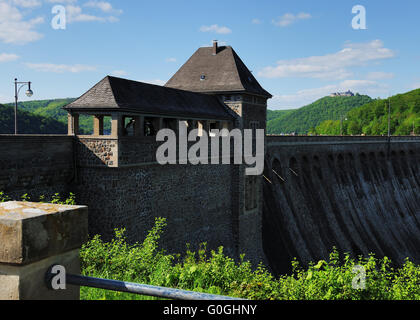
x,y
114,94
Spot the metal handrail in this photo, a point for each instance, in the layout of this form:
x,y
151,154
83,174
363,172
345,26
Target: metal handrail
x,y
136,288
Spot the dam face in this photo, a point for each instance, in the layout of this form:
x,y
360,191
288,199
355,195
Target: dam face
x,y
359,194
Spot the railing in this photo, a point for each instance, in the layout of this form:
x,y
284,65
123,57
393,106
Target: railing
x,y
135,288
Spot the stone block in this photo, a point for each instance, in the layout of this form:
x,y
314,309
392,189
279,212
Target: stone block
x,y
27,282
30,232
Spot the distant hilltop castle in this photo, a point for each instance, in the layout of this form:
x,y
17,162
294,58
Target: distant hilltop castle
x,y
342,94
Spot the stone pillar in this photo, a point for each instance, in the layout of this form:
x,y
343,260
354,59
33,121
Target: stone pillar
x,y
117,125
200,128
194,124
139,126
157,124
205,126
34,236
72,124
98,125
225,126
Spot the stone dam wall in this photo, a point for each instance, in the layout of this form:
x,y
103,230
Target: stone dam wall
x,y
359,194
36,165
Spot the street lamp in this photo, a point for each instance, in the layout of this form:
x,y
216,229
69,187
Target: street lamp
x,y
29,93
389,116
341,124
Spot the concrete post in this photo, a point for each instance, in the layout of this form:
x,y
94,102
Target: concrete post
x,y
33,237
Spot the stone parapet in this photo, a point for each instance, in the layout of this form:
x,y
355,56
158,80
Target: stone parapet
x,y
33,237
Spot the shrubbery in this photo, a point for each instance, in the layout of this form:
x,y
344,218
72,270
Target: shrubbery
x,y
214,272
55,198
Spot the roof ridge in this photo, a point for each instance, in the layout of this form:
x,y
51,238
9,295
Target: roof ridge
x,y
184,64
241,64
108,77
113,93
235,57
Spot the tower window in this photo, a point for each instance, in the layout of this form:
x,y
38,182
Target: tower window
x,y
203,77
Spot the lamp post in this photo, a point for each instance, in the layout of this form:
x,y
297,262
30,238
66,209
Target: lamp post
x,y
29,93
389,117
341,124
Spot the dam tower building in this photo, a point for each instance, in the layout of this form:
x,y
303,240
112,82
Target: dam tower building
x,y
124,186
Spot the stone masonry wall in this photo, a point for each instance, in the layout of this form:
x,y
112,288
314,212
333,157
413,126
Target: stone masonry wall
x,y
196,200
37,165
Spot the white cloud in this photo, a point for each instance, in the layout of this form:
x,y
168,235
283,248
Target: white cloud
x,y
119,73
307,96
103,6
26,3
62,1
216,29
330,66
379,75
76,14
256,21
7,57
170,59
14,29
59,68
415,85
290,18
155,81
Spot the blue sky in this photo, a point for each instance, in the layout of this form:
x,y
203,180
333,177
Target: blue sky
x,y
298,50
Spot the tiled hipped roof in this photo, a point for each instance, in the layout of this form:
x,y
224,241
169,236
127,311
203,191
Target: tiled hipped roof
x,y
116,94
222,72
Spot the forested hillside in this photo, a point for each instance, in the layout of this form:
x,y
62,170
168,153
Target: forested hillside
x,y
275,114
54,109
361,115
302,120
28,123
372,118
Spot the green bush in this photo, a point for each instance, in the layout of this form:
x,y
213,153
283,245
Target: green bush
x,y
55,198
214,272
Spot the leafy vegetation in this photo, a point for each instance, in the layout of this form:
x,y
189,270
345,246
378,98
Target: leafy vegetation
x,y
28,123
274,114
55,198
302,120
372,118
214,272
